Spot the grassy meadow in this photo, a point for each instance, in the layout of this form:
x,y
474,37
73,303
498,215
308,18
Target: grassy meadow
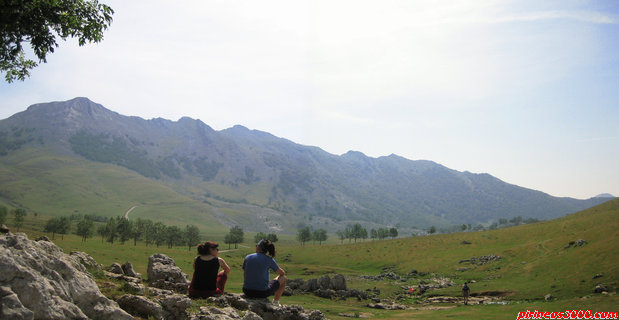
x,y
534,262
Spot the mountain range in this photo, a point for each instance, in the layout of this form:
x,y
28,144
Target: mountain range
x,y
241,177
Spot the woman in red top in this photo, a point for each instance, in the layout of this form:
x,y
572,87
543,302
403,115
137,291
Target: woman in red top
x,y
207,280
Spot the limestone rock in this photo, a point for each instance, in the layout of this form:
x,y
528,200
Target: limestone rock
x,y
164,274
11,307
140,306
116,269
50,283
127,268
86,260
175,306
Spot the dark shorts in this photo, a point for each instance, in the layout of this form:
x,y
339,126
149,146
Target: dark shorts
x,y
273,286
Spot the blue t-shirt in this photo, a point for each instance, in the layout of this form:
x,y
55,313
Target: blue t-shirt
x,y
256,266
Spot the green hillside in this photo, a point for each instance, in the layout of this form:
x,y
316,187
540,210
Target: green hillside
x,y
534,262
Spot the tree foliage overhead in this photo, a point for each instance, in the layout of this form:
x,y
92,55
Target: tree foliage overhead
x,y
40,23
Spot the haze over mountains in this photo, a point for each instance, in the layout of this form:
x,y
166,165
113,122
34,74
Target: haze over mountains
x,y
259,173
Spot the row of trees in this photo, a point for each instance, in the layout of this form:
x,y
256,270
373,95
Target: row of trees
x,y
357,231
120,229
306,234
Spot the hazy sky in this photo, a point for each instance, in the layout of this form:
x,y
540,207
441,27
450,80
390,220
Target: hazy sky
x,y
527,91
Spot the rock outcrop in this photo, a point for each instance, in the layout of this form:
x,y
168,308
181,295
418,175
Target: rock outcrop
x,y
39,281
254,309
164,274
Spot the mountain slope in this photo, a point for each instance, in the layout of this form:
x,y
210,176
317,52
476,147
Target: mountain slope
x,y
252,171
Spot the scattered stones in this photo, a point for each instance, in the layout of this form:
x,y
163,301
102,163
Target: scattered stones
x,y
600,288
597,276
386,305
258,309
360,315
387,275
577,243
481,260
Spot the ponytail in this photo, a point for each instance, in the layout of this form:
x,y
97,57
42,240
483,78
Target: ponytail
x,y
267,247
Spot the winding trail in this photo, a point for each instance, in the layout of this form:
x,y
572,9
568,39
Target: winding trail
x,y
127,213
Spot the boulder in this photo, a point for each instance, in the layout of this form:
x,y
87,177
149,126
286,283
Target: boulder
x,y
164,274
49,283
600,288
311,285
140,306
324,282
4,229
116,268
175,306
127,268
338,282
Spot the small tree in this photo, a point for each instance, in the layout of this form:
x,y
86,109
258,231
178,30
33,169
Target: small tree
x,y
304,235
111,229
432,230
19,215
159,230
272,237
259,236
236,235
102,231
149,232
64,225
341,234
85,228
319,235
174,235
125,229
373,234
192,236
51,226
393,232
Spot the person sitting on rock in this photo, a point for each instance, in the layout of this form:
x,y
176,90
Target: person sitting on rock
x,y
465,293
207,280
256,276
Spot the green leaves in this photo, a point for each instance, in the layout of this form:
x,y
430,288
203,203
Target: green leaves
x,y
39,22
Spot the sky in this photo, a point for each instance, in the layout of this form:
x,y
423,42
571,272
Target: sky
x,y
527,91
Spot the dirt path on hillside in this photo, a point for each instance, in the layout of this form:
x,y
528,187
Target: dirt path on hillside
x,y
127,213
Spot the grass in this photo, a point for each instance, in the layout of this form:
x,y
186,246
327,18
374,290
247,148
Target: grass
x,y
534,262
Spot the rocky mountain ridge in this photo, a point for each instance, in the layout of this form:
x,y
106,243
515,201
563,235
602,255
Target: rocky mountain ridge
x,y
257,169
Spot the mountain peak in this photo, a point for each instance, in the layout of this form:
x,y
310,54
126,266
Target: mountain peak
x,y
604,195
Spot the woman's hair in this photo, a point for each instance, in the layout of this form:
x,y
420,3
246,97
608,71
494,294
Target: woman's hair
x,y
267,247
204,248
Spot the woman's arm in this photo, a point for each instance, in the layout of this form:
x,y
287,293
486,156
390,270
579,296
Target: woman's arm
x,y
281,272
224,265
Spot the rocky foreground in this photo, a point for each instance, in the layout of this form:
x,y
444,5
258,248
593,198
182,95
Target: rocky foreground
x,y
39,281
